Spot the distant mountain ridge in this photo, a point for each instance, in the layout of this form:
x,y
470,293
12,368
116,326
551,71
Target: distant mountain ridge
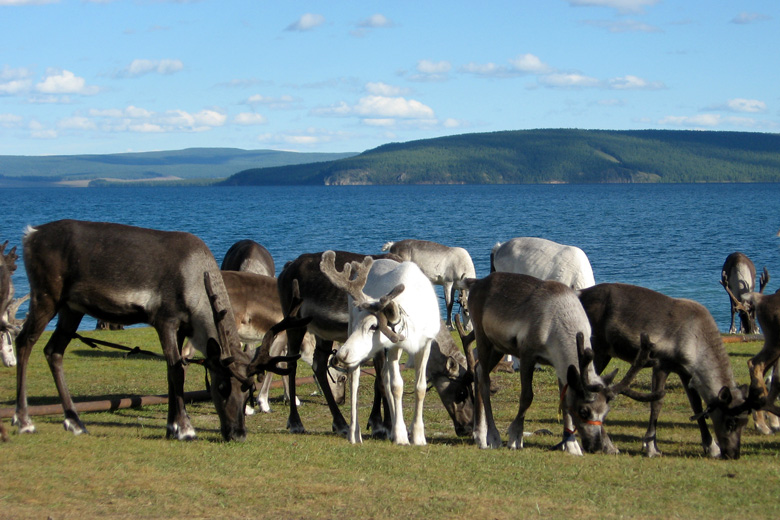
x,y
546,156
187,164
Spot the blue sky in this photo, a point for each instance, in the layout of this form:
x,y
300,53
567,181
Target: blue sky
x,y
103,76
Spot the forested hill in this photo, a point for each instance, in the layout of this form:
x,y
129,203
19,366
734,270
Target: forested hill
x,y
546,156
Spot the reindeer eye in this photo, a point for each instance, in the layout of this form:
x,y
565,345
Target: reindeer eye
x,y
224,390
461,395
584,414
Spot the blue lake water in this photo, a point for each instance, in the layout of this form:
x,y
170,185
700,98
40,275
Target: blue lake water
x,y
670,238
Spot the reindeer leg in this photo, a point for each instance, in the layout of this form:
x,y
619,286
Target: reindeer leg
x,y
757,366
380,428
711,447
179,425
649,443
774,391
421,384
354,436
395,385
320,366
67,324
516,429
41,312
449,299
294,340
485,432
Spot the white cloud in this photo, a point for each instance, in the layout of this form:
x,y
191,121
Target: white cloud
x,y
630,82
383,89
428,70
135,119
77,123
278,103
700,120
64,82
16,86
306,22
375,21
10,120
622,6
746,105
528,63
141,67
568,80
380,107
485,69
746,18
249,118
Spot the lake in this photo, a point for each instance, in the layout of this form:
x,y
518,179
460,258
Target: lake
x,y
670,238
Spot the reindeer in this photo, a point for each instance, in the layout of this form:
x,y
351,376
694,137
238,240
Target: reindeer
x,y
688,344
254,299
394,308
541,321
14,326
766,308
543,259
443,265
248,255
739,274
125,274
7,311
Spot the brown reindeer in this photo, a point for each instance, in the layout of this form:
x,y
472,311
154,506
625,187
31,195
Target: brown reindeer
x,y
247,255
688,344
767,310
541,322
127,275
738,276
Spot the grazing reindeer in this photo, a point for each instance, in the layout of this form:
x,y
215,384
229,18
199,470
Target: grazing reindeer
x,y
767,310
443,265
125,274
394,308
7,312
248,255
540,321
687,343
254,299
739,275
543,259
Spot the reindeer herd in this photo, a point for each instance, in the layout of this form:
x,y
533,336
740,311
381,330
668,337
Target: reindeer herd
x,y
539,304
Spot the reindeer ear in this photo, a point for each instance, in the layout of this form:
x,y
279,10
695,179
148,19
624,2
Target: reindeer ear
x,y
573,380
392,312
609,377
453,368
724,396
212,349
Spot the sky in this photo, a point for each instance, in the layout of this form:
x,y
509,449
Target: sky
x,y
110,76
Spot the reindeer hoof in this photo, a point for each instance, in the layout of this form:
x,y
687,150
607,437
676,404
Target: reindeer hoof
x,y
74,426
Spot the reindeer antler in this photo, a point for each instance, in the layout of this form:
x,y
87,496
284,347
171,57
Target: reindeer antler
x,y
344,280
466,339
724,281
763,280
642,357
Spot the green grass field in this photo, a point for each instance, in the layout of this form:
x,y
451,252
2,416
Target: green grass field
x,y
126,469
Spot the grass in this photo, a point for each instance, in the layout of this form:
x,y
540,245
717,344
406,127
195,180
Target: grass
x,y
126,469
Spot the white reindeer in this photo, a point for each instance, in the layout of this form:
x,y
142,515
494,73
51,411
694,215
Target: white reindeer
x,y
544,259
394,307
443,265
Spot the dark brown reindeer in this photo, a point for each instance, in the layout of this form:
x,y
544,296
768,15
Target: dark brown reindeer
x,y
127,275
687,343
327,307
254,299
767,310
738,276
247,255
541,322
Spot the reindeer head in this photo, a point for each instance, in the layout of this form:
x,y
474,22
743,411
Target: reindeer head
x,y
588,401
372,321
729,414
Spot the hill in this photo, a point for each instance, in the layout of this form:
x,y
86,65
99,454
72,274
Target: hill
x,y
192,164
546,156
